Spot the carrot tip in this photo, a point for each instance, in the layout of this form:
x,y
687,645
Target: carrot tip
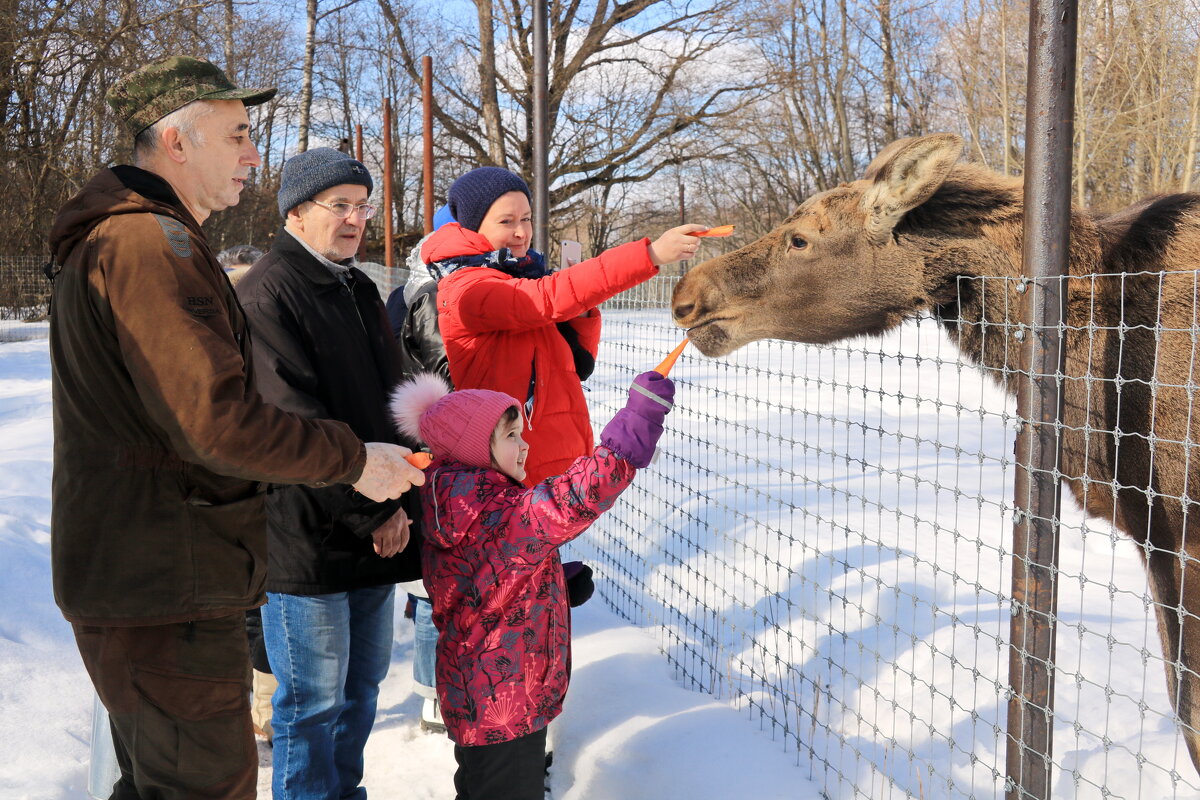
x,y
672,357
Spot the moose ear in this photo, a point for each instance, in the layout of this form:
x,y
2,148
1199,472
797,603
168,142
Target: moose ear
x,y
904,175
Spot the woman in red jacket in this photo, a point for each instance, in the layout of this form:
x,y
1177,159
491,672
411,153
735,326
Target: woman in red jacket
x,y
509,325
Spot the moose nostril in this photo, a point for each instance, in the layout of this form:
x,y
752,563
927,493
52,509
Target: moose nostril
x,y
683,310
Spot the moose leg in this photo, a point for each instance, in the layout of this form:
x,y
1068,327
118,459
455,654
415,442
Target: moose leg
x,y
1176,591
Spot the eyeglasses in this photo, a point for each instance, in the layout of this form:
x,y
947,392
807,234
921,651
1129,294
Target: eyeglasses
x,y
343,210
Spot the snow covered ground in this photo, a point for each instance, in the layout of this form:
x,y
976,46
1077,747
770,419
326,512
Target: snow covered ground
x,y
824,545
629,730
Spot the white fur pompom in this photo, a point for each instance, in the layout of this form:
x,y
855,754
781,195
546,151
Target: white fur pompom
x,y
413,398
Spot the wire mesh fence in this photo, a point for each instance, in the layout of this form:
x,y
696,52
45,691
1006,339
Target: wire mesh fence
x,y
386,279
24,298
826,542
826,538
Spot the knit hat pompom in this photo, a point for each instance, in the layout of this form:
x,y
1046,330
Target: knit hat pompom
x,y
472,195
413,398
454,424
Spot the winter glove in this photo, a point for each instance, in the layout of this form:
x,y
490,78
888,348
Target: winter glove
x,y
633,432
579,582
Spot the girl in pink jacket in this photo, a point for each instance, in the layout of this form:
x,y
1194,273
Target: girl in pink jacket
x,y
492,568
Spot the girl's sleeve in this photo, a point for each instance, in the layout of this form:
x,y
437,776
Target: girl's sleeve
x,y
560,508
497,302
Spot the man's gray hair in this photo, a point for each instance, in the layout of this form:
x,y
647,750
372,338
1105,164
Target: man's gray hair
x,y
183,118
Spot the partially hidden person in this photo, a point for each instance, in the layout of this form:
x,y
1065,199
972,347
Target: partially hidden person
x,y
323,349
492,568
237,260
163,447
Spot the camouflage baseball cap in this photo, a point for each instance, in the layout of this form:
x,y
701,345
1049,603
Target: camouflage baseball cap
x,y
149,93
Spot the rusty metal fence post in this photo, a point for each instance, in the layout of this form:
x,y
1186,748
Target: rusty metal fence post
x,y
388,258
541,128
427,139
1049,134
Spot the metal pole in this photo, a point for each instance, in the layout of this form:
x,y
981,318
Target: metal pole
x,y
1049,134
427,133
358,154
387,182
541,129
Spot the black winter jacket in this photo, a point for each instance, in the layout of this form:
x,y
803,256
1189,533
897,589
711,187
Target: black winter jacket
x,y
421,345
324,349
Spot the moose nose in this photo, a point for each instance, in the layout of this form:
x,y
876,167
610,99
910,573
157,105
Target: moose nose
x,y
684,302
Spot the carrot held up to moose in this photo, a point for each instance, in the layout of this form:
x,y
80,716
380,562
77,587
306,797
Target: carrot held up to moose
x,y
422,459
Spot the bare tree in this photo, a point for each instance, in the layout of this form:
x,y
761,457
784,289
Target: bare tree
x,y
312,16
624,79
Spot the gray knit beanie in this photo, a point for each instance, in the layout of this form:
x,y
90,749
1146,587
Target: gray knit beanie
x,y
307,174
473,194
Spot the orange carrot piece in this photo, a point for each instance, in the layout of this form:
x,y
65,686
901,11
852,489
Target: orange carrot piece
x,y
419,459
720,230
669,361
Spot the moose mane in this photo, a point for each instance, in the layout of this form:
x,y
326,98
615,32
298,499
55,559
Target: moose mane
x,y
970,199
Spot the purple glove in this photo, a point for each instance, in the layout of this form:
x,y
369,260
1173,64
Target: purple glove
x,y
579,582
634,430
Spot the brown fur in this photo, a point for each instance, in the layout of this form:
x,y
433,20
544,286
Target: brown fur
x,y
909,237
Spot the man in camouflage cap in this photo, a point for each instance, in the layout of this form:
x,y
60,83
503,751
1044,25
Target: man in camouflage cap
x,y
162,447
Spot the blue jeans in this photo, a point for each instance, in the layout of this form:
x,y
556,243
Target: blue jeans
x,y
425,648
329,653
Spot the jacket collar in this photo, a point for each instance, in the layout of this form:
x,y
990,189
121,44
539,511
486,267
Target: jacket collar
x,y
300,258
147,184
453,240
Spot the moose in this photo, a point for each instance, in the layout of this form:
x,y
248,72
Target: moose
x,y
914,236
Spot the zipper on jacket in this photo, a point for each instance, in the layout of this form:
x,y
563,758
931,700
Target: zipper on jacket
x,y
529,400
348,288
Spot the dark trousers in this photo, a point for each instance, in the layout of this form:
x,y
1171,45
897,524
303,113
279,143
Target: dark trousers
x,y
513,770
178,702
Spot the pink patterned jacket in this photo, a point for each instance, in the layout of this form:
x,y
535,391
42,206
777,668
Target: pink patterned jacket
x,y
493,574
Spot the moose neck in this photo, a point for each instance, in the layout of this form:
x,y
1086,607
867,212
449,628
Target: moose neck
x,y
971,232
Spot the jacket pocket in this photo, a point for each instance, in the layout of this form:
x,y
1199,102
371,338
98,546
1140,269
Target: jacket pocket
x,y
228,546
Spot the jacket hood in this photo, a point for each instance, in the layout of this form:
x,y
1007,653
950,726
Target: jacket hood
x,y
119,190
452,521
452,240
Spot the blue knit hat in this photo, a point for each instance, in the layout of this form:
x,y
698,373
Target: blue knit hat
x,y
307,174
473,194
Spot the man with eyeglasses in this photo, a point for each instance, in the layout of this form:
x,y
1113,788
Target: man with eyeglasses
x,y
324,348
162,447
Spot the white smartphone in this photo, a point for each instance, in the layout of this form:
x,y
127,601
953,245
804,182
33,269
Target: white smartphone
x,y
572,253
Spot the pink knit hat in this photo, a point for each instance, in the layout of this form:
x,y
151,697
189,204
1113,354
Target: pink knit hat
x,y
455,424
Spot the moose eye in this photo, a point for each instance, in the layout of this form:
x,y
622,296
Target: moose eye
x,y
799,242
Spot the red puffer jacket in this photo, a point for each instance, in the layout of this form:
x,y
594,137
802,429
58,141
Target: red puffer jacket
x,y
499,331
494,577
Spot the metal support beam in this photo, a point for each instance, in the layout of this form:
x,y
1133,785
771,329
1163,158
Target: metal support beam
x,y
1049,134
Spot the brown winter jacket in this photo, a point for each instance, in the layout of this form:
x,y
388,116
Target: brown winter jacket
x,y
160,443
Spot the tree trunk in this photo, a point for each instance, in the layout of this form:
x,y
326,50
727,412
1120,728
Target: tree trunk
x,y
306,79
890,90
488,98
1193,129
230,20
